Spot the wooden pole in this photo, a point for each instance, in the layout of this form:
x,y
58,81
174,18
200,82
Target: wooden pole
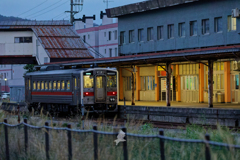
x,y
133,87
168,89
210,83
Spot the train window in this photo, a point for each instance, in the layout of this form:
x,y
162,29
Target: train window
x,y
50,85
58,85
38,85
29,84
46,85
42,86
75,79
54,85
88,81
63,85
112,81
100,82
68,85
34,85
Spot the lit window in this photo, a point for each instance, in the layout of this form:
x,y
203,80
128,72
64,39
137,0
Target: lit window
x,y
50,85
88,81
42,86
38,85
205,26
63,85
131,36
54,85
75,80
68,85
58,85
150,34
160,32
170,31
46,85
29,84
218,24
140,35
148,83
232,23
128,83
193,28
34,85
122,38
181,29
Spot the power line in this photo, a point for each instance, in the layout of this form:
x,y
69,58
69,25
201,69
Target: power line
x,y
43,9
49,10
33,8
58,15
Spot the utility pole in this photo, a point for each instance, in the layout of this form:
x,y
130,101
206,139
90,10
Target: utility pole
x,y
78,3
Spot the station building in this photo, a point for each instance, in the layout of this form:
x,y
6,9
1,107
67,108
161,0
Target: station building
x,y
179,26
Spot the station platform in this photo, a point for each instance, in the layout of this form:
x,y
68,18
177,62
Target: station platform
x,y
183,104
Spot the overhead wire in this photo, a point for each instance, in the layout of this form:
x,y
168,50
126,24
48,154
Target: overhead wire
x,y
33,8
49,10
43,9
58,15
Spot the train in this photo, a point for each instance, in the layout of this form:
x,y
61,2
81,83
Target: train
x,y
54,90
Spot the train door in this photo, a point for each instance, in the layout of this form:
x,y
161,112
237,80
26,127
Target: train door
x,y
100,88
28,89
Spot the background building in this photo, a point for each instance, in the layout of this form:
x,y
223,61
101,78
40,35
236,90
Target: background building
x,y
101,39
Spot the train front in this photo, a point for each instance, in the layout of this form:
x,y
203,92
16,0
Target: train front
x,y
100,90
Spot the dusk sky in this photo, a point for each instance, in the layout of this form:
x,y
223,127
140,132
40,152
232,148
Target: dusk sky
x,y
54,9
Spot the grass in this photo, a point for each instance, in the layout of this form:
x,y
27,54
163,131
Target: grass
x,y
138,148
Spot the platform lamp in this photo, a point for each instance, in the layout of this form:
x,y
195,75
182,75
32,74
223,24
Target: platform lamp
x,y
5,84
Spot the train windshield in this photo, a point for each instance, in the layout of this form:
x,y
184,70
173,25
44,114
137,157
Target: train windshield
x,y
111,81
88,81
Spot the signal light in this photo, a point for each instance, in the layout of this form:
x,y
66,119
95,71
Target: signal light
x,y
111,93
88,94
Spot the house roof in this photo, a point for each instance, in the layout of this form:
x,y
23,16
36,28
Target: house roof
x,y
58,38
143,6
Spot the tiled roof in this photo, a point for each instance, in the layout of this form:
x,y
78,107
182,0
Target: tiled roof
x,y
58,38
143,6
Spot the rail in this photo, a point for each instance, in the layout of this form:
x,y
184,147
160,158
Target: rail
x,y
207,144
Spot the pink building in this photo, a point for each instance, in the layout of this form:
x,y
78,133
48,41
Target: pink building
x,y
101,39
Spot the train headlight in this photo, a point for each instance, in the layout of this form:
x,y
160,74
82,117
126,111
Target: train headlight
x,y
111,99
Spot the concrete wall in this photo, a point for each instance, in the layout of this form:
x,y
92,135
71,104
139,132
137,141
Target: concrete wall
x,y
196,11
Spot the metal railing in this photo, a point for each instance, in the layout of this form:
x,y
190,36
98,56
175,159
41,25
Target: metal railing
x,y
162,140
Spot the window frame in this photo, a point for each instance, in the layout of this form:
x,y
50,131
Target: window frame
x,y
216,22
131,36
46,85
122,37
150,34
63,87
230,23
170,31
182,29
140,35
193,24
205,26
160,32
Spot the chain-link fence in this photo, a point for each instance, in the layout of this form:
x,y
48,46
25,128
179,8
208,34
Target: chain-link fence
x,y
24,141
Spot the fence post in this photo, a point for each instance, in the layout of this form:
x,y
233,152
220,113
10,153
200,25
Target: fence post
x,y
47,140
26,136
69,141
207,148
161,133
6,139
125,115
125,151
95,142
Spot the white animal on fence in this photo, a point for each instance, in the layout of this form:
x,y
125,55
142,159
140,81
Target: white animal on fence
x,y
120,137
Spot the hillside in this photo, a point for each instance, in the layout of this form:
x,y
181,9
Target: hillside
x,y
11,18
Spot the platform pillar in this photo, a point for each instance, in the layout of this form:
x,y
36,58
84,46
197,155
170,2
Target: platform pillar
x,y
178,84
156,84
120,85
210,83
133,86
168,86
227,83
201,83
138,84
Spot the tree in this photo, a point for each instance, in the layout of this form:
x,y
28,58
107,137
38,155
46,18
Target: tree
x,y
29,68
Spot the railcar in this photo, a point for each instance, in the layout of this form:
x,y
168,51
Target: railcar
x,y
55,90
